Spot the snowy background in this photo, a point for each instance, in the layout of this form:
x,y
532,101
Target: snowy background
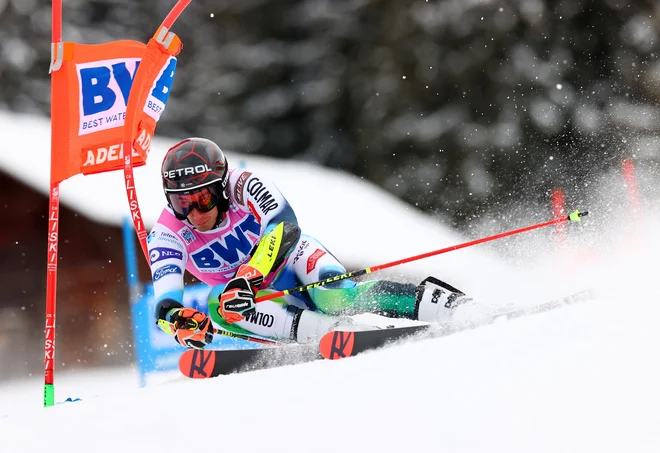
x,y
461,108
581,378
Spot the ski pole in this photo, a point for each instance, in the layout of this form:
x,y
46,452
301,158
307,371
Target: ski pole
x,y
573,217
169,328
241,336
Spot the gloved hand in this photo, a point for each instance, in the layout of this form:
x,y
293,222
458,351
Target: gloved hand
x,y
192,328
237,299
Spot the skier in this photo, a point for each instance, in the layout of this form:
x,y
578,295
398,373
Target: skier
x,y
233,230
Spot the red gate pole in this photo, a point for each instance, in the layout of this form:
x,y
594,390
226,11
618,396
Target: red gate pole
x,y
53,227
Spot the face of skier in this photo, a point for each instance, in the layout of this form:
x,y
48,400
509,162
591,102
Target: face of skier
x,y
203,221
199,207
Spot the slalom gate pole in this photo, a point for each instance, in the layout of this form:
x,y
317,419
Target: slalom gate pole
x,y
142,82
628,170
559,210
573,217
53,224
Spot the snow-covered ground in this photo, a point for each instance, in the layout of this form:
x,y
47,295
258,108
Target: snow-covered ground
x,y
582,378
578,379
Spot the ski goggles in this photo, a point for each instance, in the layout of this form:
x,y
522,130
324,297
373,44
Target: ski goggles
x,y
203,200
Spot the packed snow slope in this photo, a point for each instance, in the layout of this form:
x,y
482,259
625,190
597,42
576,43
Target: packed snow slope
x,y
582,378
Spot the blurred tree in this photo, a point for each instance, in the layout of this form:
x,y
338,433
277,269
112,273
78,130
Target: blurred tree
x,y
457,107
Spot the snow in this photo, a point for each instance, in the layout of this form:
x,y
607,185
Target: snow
x,y
577,379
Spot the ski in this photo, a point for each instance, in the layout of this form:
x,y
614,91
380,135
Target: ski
x,y
341,344
209,363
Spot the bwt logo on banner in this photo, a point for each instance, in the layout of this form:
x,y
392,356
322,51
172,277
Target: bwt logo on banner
x,y
104,88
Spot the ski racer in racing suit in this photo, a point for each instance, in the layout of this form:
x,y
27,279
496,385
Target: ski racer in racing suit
x,y
233,230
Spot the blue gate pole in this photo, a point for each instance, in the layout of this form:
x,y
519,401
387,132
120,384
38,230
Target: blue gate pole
x,y
133,281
